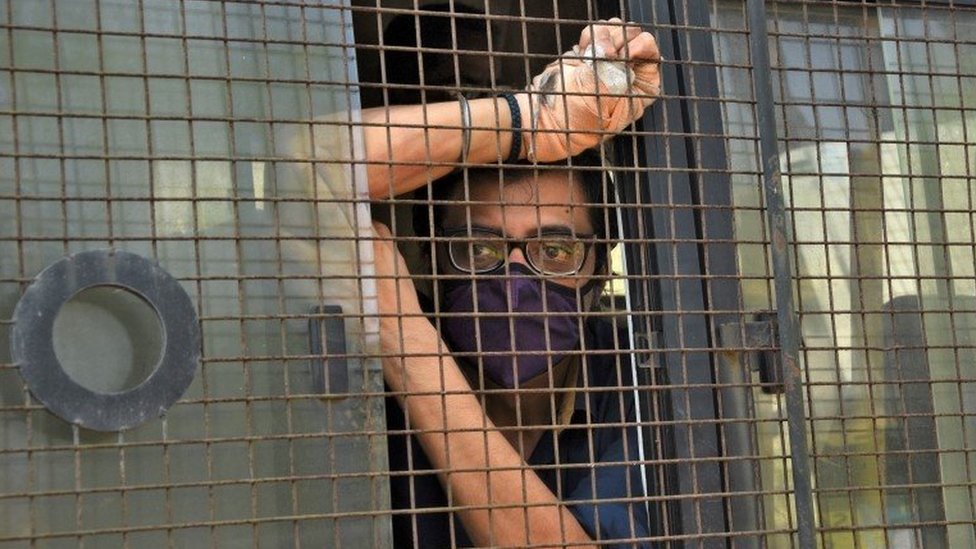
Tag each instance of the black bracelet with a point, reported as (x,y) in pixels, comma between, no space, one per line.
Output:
(513,106)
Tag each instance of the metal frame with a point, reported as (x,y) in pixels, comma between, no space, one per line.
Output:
(789,330)
(692,276)
(689,238)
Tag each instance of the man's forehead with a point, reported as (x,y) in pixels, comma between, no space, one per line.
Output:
(534,188)
(521,206)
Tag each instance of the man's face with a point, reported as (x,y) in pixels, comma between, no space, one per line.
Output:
(550,203)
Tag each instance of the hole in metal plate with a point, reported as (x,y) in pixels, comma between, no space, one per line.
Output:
(108,339)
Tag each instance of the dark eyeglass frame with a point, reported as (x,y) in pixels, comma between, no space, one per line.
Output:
(520,243)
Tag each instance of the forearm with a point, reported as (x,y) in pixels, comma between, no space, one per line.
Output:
(504,502)
(409,145)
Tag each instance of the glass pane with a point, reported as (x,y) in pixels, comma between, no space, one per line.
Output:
(214,138)
(873,125)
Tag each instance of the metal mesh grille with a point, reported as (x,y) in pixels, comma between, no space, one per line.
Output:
(182,131)
(223,140)
(873,120)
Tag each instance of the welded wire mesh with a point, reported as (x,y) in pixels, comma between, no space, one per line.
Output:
(183,132)
(225,141)
(873,124)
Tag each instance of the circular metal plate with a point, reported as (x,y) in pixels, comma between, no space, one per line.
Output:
(33,344)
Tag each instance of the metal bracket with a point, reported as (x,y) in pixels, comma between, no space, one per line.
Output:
(33,340)
(327,336)
(647,346)
(759,341)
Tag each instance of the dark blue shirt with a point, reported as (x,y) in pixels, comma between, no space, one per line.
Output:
(601,486)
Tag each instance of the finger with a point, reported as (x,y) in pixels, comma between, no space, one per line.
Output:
(382,247)
(643,47)
(387,255)
(629,31)
(622,35)
(618,33)
(611,36)
(600,33)
(586,37)
(381,231)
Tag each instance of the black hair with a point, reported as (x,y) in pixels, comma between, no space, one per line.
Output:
(590,167)
(402,66)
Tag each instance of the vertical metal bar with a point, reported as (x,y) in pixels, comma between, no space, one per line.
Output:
(712,189)
(782,271)
(685,440)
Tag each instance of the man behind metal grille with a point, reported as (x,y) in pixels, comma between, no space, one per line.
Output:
(515,429)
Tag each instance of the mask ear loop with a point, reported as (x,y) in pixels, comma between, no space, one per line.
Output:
(599,280)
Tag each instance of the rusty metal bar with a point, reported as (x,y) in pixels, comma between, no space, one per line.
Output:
(783,273)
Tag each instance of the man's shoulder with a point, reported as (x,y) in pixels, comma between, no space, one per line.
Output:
(607,333)
(607,353)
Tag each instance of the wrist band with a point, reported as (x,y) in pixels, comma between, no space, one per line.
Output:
(465,127)
(513,106)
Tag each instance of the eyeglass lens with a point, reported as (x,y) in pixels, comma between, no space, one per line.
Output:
(551,255)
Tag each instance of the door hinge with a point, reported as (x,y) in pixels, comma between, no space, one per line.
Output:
(758,342)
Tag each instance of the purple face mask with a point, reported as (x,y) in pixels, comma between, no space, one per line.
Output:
(517,303)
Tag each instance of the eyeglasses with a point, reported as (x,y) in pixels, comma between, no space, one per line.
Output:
(481,250)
